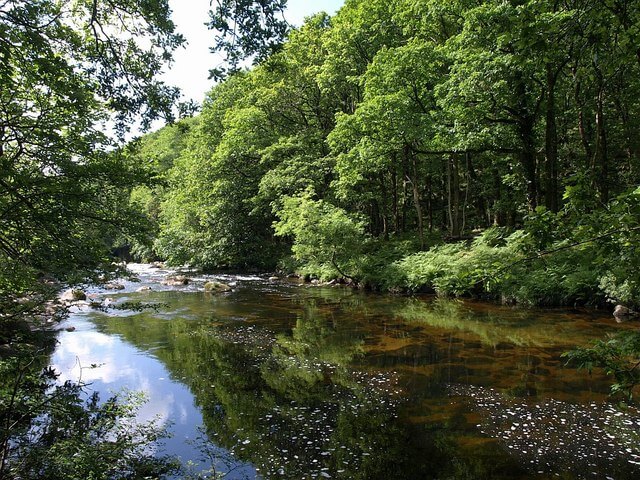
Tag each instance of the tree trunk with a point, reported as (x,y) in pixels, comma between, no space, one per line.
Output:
(551,144)
(430,202)
(453,196)
(416,196)
(396,212)
(601,160)
(384,205)
(528,160)
(526,125)
(467,157)
(582,126)
(482,206)
(405,177)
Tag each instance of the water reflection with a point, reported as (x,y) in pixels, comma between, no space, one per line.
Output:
(109,364)
(329,383)
(553,436)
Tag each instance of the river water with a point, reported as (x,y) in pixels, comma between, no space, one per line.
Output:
(278,379)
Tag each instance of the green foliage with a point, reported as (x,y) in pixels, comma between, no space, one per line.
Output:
(324,235)
(542,227)
(499,265)
(246,29)
(618,355)
(377,266)
(62,192)
(456,269)
(423,120)
(618,253)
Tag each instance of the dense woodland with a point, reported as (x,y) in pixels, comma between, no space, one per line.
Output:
(468,147)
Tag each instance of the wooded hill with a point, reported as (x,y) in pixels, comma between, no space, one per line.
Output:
(375,138)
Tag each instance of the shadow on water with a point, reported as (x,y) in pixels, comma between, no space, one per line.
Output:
(329,383)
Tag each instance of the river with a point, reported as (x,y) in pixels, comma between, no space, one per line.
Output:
(278,379)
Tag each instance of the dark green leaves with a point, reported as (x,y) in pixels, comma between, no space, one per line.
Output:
(246,29)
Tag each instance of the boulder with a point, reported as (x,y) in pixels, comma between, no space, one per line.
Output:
(623,313)
(176,281)
(146,288)
(274,279)
(113,286)
(73,295)
(216,287)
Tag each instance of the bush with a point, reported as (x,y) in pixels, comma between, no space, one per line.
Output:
(457,269)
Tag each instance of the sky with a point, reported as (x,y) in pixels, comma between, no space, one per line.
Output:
(192,63)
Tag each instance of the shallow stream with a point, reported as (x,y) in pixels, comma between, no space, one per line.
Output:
(278,379)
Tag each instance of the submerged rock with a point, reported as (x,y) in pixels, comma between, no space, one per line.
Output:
(73,295)
(217,287)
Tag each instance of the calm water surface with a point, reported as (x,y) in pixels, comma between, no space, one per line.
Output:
(281,380)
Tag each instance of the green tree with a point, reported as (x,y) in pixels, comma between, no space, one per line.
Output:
(246,29)
(324,234)
(64,74)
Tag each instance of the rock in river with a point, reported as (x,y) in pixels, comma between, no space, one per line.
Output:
(176,281)
(623,313)
(73,295)
(216,287)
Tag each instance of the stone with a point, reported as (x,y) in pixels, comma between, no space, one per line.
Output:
(113,286)
(274,279)
(73,295)
(176,281)
(146,288)
(622,313)
(217,287)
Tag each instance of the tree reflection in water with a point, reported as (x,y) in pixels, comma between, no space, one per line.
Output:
(325,383)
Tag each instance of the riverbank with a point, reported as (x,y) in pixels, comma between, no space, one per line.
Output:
(498,265)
